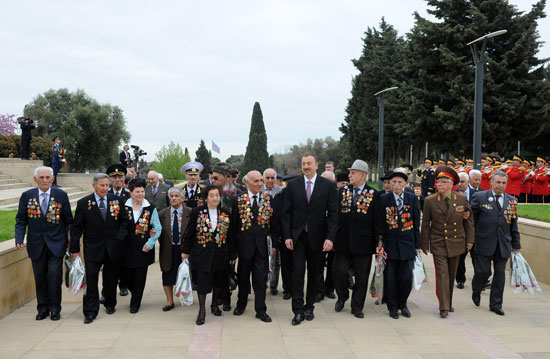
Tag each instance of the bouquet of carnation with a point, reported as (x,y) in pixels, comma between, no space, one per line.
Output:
(183,288)
(419,273)
(521,277)
(75,273)
(377,283)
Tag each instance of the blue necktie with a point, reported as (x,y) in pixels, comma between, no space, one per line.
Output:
(400,205)
(102,208)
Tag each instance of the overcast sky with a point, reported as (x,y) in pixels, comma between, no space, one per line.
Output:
(189,70)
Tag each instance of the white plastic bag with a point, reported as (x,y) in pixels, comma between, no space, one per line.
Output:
(76,275)
(183,288)
(419,273)
(521,276)
(377,283)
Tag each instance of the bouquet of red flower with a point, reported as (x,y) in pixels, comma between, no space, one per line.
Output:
(521,276)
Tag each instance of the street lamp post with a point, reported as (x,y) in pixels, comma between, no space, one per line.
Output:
(479,61)
(380,99)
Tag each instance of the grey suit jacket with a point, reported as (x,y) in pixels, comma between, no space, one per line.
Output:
(494,226)
(160,199)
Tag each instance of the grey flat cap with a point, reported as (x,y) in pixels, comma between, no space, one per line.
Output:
(223,168)
(360,165)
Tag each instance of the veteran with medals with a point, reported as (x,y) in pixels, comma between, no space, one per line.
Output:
(102,222)
(356,240)
(192,189)
(399,224)
(208,236)
(447,232)
(255,209)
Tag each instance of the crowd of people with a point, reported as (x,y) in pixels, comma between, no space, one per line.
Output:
(324,227)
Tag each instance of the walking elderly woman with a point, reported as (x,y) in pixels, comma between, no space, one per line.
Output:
(139,247)
(208,237)
(174,220)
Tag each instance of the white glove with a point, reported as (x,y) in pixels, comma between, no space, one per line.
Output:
(504,167)
(532,173)
(63,160)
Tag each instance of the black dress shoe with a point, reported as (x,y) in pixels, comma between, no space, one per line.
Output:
(319,297)
(287,296)
(55,316)
(110,310)
(298,318)
(443,313)
(394,315)
(274,291)
(123,292)
(134,310)
(308,315)
(200,318)
(405,311)
(167,308)
(88,319)
(226,307)
(330,295)
(498,311)
(460,285)
(339,305)
(216,310)
(42,315)
(487,285)
(476,299)
(263,317)
(452,310)
(358,314)
(238,311)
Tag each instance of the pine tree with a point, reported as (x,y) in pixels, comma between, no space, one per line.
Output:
(203,156)
(256,156)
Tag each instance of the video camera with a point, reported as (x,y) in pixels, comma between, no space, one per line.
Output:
(138,152)
(22,120)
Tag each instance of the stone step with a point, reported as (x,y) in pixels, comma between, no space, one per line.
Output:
(5,177)
(13,185)
(8,180)
(11,197)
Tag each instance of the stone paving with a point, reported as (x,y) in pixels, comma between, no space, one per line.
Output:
(469,332)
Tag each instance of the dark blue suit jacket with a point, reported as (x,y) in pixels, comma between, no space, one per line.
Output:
(398,243)
(41,231)
(492,225)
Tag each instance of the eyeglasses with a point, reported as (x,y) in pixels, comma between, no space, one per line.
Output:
(267,177)
(215,178)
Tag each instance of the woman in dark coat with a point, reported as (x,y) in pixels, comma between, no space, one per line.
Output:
(208,238)
(139,247)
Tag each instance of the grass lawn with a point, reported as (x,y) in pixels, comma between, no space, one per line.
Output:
(539,212)
(7,225)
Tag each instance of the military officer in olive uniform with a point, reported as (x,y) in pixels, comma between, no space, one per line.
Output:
(447,232)
(117,173)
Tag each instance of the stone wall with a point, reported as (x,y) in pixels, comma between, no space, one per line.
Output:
(535,247)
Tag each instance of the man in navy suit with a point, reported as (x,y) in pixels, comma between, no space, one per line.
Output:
(101,218)
(46,212)
(399,224)
(497,236)
(310,222)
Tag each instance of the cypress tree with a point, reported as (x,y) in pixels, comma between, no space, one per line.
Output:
(256,156)
(203,156)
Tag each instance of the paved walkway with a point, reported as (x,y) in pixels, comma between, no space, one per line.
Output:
(470,332)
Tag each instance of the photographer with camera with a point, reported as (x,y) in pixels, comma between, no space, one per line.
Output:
(26,126)
(125,156)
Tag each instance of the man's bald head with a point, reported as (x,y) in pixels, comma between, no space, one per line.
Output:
(254,181)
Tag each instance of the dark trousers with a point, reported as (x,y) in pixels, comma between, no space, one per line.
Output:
(399,283)
(483,272)
(110,278)
(135,279)
(445,273)
(258,266)
(361,264)
(25,148)
(325,283)
(538,198)
(303,255)
(48,276)
(286,268)
(461,269)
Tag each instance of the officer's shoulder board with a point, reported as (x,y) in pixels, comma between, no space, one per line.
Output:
(460,194)
(432,196)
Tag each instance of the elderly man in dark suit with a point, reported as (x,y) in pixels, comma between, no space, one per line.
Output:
(399,224)
(310,222)
(356,238)
(157,192)
(251,235)
(100,218)
(125,157)
(46,213)
(174,220)
(497,236)
(447,232)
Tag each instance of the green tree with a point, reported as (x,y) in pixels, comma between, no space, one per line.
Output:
(204,157)
(91,132)
(256,156)
(437,87)
(379,66)
(169,161)
(236,161)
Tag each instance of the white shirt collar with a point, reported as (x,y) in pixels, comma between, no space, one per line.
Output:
(48,192)
(396,196)
(129,203)
(97,198)
(361,188)
(250,194)
(192,188)
(179,210)
(312,179)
